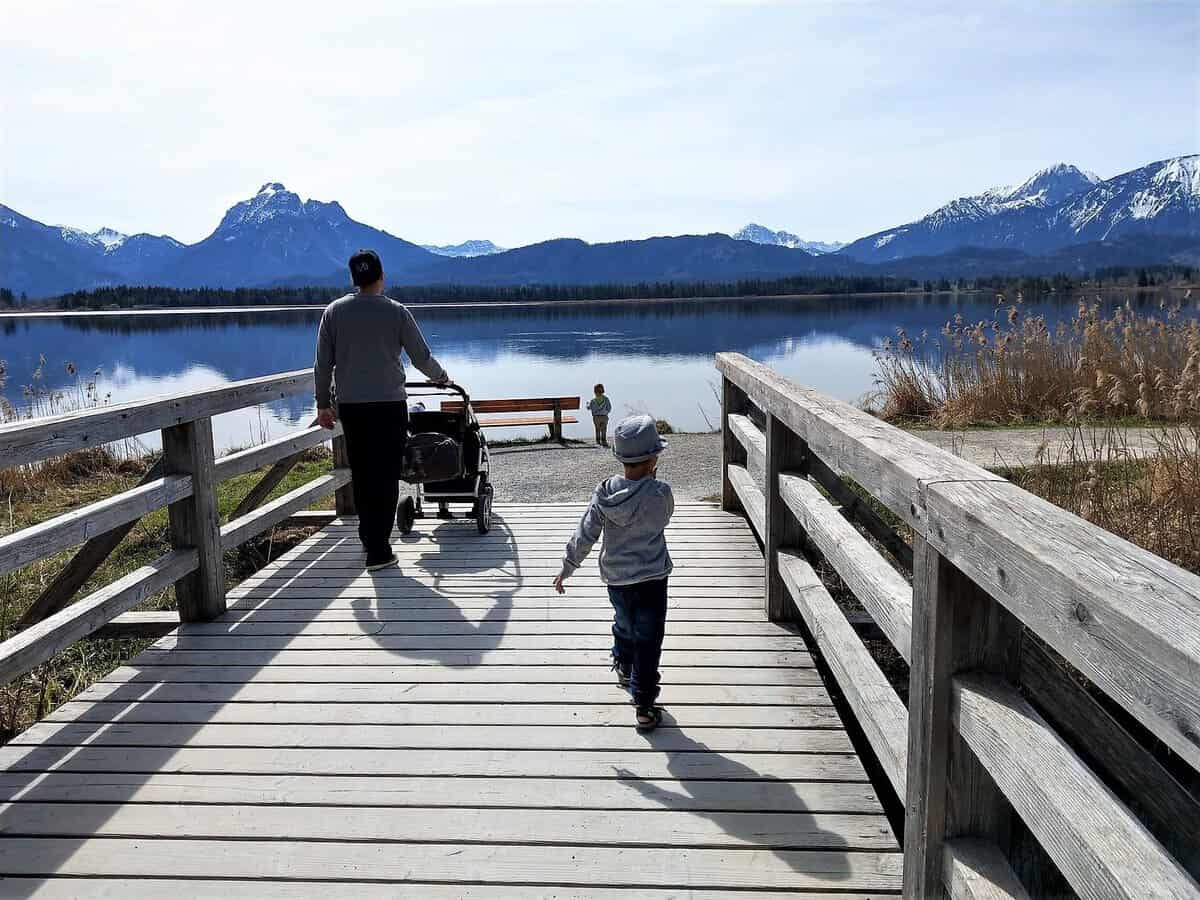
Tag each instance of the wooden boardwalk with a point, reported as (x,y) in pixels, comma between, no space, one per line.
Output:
(453,726)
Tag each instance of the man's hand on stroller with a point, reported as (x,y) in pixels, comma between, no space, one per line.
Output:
(443,381)
(326,417)
(558,584)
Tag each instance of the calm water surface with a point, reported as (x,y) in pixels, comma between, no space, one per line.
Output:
(656,357)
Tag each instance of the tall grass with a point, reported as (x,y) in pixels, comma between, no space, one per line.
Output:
(1096,365)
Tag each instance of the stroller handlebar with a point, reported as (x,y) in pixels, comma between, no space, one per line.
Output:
(444,386)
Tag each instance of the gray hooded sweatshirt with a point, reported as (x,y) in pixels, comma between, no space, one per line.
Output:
(631,515)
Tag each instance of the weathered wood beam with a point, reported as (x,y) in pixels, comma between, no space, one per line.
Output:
(241,529)
(83,565)
(75,527)
(40,642)
(195,522)
(785,455)
(35,439)
(1097,843)
(977,870)
(733,402)
(883,591)
(248,460)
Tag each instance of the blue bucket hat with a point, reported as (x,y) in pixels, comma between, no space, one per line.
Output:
(636,440)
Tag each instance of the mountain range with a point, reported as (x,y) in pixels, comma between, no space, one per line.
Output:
(1060,219)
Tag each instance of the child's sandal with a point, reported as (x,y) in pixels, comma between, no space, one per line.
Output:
(649,717)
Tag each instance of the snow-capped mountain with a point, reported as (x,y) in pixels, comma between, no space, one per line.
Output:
(1163,197)
(1055,208)
(760,234)
(275,237)
(465,249)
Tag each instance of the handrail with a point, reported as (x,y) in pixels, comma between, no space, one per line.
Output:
(184,482)
(988,560)
(36,439)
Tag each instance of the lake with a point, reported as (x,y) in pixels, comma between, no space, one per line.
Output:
(652,356)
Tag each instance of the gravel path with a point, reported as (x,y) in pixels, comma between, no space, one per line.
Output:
(549,473)
(692,464)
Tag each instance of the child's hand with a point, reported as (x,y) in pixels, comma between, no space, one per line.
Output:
(558,584)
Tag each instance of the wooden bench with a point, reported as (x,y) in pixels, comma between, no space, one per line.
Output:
(554,406)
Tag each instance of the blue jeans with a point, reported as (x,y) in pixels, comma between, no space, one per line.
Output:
(639,623)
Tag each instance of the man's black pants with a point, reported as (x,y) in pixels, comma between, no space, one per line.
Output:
(375,437)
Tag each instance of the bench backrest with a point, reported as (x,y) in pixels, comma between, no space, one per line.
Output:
(514,405)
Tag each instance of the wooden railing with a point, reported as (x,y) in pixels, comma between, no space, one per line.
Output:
(184,480)
(1013,604)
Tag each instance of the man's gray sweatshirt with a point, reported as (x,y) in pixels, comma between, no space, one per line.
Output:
(632,516)
(359,343)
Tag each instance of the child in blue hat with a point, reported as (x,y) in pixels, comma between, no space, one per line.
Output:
(631,511)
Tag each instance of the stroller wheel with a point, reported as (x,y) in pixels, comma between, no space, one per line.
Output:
(483,509)
(406,514)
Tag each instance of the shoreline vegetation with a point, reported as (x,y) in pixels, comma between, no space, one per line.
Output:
(127,297)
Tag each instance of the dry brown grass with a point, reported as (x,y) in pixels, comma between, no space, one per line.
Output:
(1152,501)
(1098,365)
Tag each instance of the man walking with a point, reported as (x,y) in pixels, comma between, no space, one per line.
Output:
(358,359)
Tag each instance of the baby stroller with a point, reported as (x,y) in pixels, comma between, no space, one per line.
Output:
(446,459)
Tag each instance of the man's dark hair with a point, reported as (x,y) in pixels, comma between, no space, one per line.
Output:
(365,268)
(599,389)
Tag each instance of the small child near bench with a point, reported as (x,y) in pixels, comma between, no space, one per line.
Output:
(601,408)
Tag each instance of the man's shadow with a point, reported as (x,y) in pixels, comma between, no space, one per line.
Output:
(710,798)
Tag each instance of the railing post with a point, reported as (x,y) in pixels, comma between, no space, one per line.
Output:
(343,497)
(733,402)
(195,521)
(786,452)
(956,627)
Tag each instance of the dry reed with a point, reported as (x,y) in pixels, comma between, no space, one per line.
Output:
(1097,365)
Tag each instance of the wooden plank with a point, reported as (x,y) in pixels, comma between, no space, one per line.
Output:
(949,794)
(1135,772)
(83,565)
(380,656)
(334,565)
(513,404)
(570,738)
(632,828)
(28,545)
(699,763)
(977,870)
(245,461)
(240,530)
(856,509)
(289,712)
(224,889)
(877,708)
(409,671)
(1099,846)
(40,642)
(786,454)
(752,439)
(343,502)
(635,868)
(382,613)
(733,402)
(498,642)
(152,624)
(1098,600)
(262,488)
(750,496)
(883,591)
(889,463)
(317,518)
(481,628)
(195,521)
(31,440)
(522,421)
(369,696)
(612,793)
(510,596)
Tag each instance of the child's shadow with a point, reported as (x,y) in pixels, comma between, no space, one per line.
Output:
(710,798)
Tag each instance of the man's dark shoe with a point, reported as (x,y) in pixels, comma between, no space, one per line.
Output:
(378,563)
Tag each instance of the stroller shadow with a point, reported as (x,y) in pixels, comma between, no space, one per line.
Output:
(706,797)
(469,640)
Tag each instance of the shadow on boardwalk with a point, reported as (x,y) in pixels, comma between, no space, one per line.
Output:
(707,797)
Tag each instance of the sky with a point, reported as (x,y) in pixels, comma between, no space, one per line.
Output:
(521,122)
